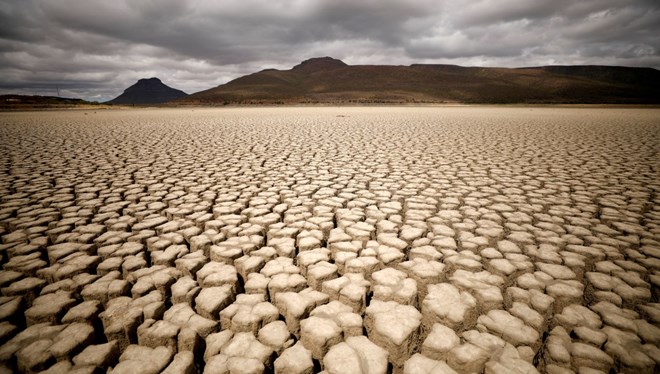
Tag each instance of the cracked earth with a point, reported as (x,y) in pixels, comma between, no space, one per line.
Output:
(342,240)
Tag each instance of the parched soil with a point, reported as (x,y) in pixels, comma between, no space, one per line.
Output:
(343,240)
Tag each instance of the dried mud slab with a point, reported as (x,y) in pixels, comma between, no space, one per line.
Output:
(335,240)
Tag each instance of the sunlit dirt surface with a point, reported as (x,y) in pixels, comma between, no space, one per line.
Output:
(350,240)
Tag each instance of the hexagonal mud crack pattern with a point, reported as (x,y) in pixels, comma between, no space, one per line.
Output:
(342,240)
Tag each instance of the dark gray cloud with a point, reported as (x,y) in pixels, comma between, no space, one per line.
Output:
(94,49)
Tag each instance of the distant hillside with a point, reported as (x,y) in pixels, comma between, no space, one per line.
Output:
(148,91)
(327,80)
(18,102)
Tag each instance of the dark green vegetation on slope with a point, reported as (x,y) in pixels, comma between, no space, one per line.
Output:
(19,102)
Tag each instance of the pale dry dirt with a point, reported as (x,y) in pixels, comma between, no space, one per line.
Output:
(344,240)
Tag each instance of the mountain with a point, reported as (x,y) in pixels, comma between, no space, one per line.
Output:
(328,80)
(148,91)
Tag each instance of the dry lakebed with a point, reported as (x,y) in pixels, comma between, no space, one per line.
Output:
(425,240)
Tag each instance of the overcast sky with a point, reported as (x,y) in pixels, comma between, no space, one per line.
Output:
(94,49)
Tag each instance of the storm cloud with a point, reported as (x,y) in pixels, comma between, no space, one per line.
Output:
(94,49)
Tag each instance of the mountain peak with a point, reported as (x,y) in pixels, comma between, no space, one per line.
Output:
(319,63)
(148,91)
(150,80)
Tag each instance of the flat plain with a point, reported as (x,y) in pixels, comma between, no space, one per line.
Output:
(344,240)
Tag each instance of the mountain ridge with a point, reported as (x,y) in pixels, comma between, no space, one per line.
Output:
(328,80)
